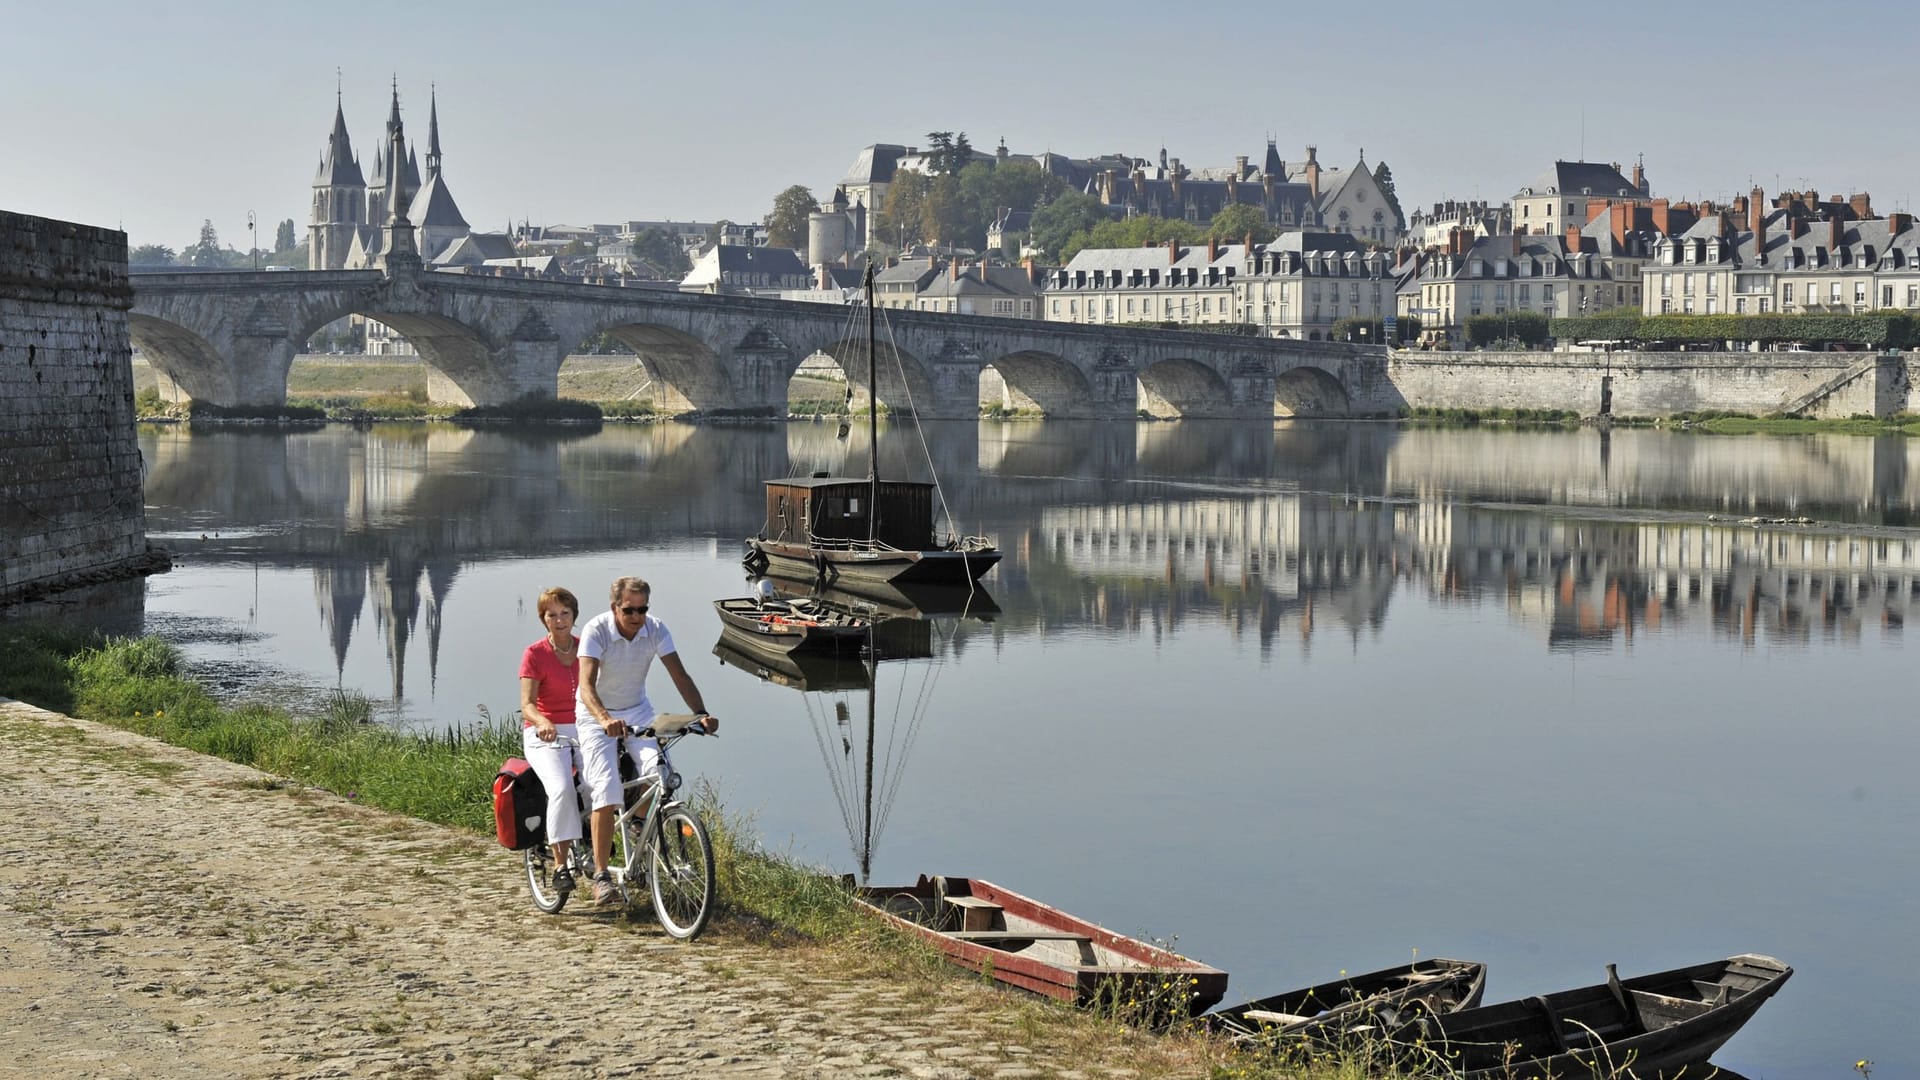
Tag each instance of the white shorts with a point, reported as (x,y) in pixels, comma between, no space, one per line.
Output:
(601,770)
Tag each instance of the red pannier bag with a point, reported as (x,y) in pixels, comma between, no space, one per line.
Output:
(519,806)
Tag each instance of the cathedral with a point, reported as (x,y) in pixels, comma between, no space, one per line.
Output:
(350,214)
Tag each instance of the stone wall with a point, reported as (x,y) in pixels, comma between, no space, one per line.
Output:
(1658,383)
(71,506)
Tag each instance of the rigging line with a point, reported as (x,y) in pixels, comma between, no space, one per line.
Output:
(833,773)
(907,744)
(926,451)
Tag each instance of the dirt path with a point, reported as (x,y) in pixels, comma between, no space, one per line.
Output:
(169,914)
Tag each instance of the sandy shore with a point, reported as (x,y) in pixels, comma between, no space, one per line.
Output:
(170,914)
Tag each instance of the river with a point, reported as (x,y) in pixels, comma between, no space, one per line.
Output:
(1302,699)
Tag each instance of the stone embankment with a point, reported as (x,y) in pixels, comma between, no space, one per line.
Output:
(177,915)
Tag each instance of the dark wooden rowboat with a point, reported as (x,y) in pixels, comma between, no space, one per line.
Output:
(1027,944)
(1648,1026)
(1378,997)
(793,625)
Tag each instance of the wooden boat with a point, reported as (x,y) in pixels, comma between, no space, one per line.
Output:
(1378,997)
(1648,1026)
(828,529)
(1024,943)
(791,625)
(894,600)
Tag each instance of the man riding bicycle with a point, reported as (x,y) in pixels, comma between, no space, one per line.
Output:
(617,649)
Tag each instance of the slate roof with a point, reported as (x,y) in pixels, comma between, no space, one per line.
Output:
(1582,178)
(477,248)
(874,165)
(339,168)
(433,205)
(1001,281)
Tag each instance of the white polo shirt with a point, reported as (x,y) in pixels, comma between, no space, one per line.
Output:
(624,664)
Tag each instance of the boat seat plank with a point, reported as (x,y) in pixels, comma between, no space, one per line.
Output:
(1017,935)
(972,902)
(1265,1017)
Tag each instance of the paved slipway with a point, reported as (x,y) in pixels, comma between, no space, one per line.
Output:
(171,914)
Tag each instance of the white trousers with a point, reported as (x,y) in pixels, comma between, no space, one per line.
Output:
(602,752)
(553,763)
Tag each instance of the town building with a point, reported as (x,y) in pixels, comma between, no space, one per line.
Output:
(1172,283)
(1006,292)
(1475,218)
(1299,285)
(1559,197)
(742,270)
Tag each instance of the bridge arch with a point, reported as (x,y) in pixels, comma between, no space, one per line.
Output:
(1042,381)
(1175,388)
(182,357)
(1309,391)
(687,372)
(904,382)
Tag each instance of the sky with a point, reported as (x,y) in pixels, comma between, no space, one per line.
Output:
(154,117)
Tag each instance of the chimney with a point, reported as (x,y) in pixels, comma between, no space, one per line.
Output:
(1639,178)
(1033,272)
(1620,220)
(1239,166)
(1106,185)
(1313,174)
(1213,250)
(1836,230)
(1898,223)
(1175,172)
(1173,252)
(1661,220)
(983,271)
(1573,239)
(1757,221)
(1796,226)
(953,270)
(1862,205)
(1139,183)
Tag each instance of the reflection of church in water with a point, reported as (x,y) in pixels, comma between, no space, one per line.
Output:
(407,598)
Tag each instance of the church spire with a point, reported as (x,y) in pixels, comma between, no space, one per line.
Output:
(433,133)
(400,252)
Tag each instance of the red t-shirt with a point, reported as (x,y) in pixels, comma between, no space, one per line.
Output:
(556,682)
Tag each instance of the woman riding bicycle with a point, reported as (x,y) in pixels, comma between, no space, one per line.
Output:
(549,682)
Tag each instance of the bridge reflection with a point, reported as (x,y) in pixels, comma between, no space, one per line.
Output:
(1297,531)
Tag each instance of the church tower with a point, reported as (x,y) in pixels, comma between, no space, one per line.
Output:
(339,199)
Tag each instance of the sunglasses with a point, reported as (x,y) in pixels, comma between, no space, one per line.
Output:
(632,610)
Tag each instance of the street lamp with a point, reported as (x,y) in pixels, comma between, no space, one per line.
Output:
(253,238)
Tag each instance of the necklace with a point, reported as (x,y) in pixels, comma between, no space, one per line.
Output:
(562,650)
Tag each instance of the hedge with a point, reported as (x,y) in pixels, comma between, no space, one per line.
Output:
(1893,331)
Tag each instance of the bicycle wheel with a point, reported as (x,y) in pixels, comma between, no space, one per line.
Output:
(539,860)
(682,873)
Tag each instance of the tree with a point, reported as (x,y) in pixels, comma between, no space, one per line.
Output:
(947,217)
(1237,222)
(787,222)
(208,251)
(1134,232)
(1384,177)
(151,255)
(1055,224)
(284,237)
(902,220)
(662,251)
(949,154)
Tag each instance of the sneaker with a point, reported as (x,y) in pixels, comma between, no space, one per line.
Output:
(563,881)
(603,890)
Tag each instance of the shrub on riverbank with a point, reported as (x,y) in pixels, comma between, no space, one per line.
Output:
(1480,416)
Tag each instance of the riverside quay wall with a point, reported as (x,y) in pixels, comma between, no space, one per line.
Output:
(1653,384)
(71,507)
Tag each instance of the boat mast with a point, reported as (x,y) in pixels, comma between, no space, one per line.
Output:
(866,819)
(873,420)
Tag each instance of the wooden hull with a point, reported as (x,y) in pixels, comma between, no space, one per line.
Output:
(882,600)
(1026,944)
(1654,1025)
(831,565)
(1432,986)
(792,626)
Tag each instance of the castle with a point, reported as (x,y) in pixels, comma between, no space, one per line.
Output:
(348,227)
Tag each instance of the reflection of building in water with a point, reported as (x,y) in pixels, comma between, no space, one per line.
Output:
(341,587)
(1278,558)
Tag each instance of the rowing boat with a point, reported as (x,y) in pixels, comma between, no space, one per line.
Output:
(1649,1026)
(803,623)
(1027,944)
(1389,996)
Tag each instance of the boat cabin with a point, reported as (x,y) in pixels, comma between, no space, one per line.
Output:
(829,511)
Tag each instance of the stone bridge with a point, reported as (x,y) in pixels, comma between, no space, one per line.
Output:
(228,339)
